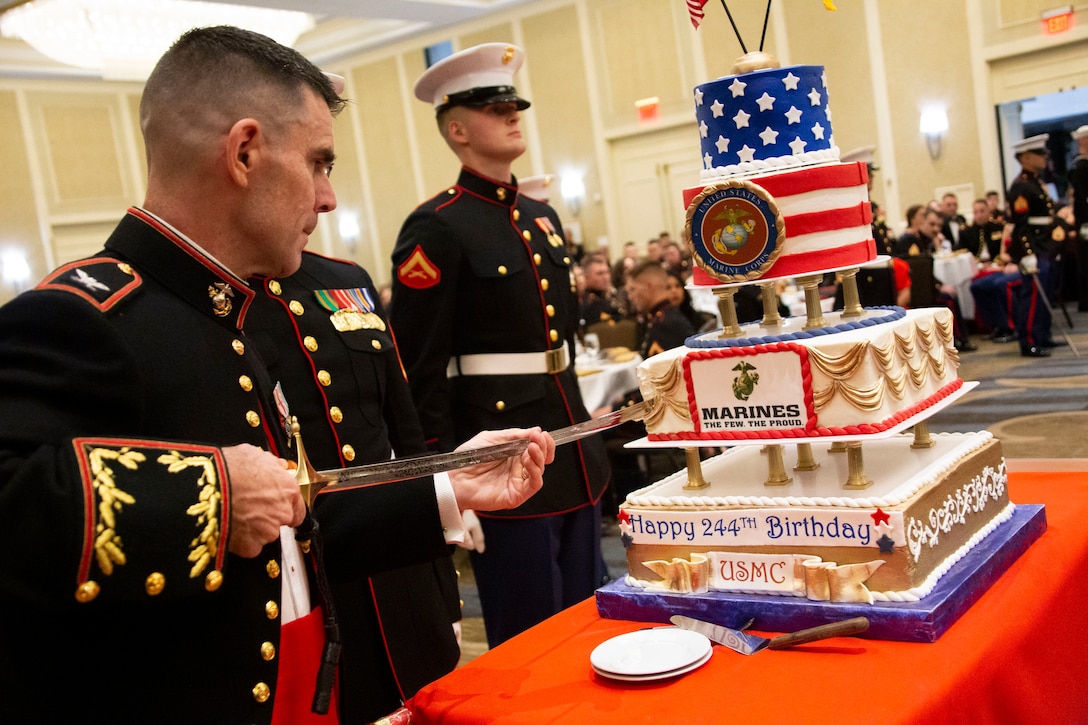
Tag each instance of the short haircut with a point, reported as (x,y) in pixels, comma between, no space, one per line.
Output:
(212,77)
(647,268)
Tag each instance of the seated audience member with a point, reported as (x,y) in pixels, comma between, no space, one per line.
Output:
(674,260)
(926,223)
(983,236)
(997,209)
(598,298)
(680,298)
(952,221)
(912,242)
(666,326)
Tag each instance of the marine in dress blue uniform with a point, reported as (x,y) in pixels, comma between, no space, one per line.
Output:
(1031,214)
(485,316)
(113,371)
(326,341)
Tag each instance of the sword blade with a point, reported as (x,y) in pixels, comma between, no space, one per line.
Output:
(427,464)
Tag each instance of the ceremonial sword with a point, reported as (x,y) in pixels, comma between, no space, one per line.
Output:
(312,482)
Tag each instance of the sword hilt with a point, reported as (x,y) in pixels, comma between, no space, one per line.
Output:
(310,482)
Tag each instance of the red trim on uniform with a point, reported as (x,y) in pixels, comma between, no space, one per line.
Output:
(418,271)
(104,305)
(90,518)
(385,640)
(237,283)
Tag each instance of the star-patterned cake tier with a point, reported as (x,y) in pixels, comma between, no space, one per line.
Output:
(767,119)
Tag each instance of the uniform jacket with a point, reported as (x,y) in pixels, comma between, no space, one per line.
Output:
(326,341)
(1027,198)
(1078,180)
(480,269)
(120,375)
(666,328)
(978,237)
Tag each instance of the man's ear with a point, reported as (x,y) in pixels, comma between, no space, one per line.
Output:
(455,130)
(244,148)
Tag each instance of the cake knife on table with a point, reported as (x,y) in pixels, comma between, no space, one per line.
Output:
(748,644)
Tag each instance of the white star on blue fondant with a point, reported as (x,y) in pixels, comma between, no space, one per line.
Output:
(737,87)
(766,101)
(741,119)
(768,136)
(698,96)
(723,144)
(793,116)
(797,146)
(814,97)
(746,154)
(707,161)
(702,129)
(818,130)
(717,108)
(791,81)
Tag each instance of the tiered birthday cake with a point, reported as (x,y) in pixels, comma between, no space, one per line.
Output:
(789,512)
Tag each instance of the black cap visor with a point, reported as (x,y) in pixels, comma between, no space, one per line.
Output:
(485,96)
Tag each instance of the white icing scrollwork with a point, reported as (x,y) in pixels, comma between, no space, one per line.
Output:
(971,498)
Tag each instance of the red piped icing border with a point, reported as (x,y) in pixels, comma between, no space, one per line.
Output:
(796,265)
(719,352)
(789,183)
(852,430)
(826,221)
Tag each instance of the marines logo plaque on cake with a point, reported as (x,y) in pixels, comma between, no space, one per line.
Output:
(736,230)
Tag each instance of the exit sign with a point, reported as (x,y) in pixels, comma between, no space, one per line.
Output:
(1058,20)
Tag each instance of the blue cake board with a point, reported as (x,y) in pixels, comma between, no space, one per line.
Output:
(922,621)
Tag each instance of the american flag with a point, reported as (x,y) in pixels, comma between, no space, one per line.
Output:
(695,10)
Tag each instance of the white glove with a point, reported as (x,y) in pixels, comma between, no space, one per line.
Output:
(474,533)
(457,633)
(1029,264)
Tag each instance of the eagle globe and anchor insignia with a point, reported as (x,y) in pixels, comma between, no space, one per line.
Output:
(736,230)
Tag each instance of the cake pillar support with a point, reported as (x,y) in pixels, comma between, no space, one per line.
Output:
(727,307)
(805,460)
(767,293)
(696,481)
(837,447)
(813,312)
(776,475)
(856,478)
(921,436)
(851,300)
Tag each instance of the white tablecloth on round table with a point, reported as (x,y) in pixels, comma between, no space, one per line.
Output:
(601,381)
(958,270)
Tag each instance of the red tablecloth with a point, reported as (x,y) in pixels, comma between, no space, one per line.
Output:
(1019,655)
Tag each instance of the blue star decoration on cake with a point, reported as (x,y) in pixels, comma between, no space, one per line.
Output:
(886,544)
(791,103)
(625,529)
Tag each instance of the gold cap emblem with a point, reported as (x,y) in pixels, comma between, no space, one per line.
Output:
(508,55)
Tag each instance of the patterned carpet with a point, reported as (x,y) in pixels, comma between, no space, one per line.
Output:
(1038,407)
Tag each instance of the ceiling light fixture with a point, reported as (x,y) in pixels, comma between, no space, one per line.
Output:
(123,39)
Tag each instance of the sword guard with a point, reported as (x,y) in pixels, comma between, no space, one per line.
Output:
(310,482)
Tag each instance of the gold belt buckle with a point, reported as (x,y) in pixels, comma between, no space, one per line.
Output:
(556,360)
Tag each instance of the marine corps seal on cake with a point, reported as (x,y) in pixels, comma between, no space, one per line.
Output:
(736,230)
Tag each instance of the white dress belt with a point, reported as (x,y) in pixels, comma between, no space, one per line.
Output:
(548,362)
(1039,221)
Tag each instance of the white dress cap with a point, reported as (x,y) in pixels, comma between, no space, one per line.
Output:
(1031,143)
(1080,132)
(477,76)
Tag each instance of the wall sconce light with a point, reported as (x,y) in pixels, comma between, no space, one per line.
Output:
(933,124)
(573,189)
(15,269)
(348,224)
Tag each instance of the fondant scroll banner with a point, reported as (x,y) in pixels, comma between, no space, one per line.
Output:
(792,575)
